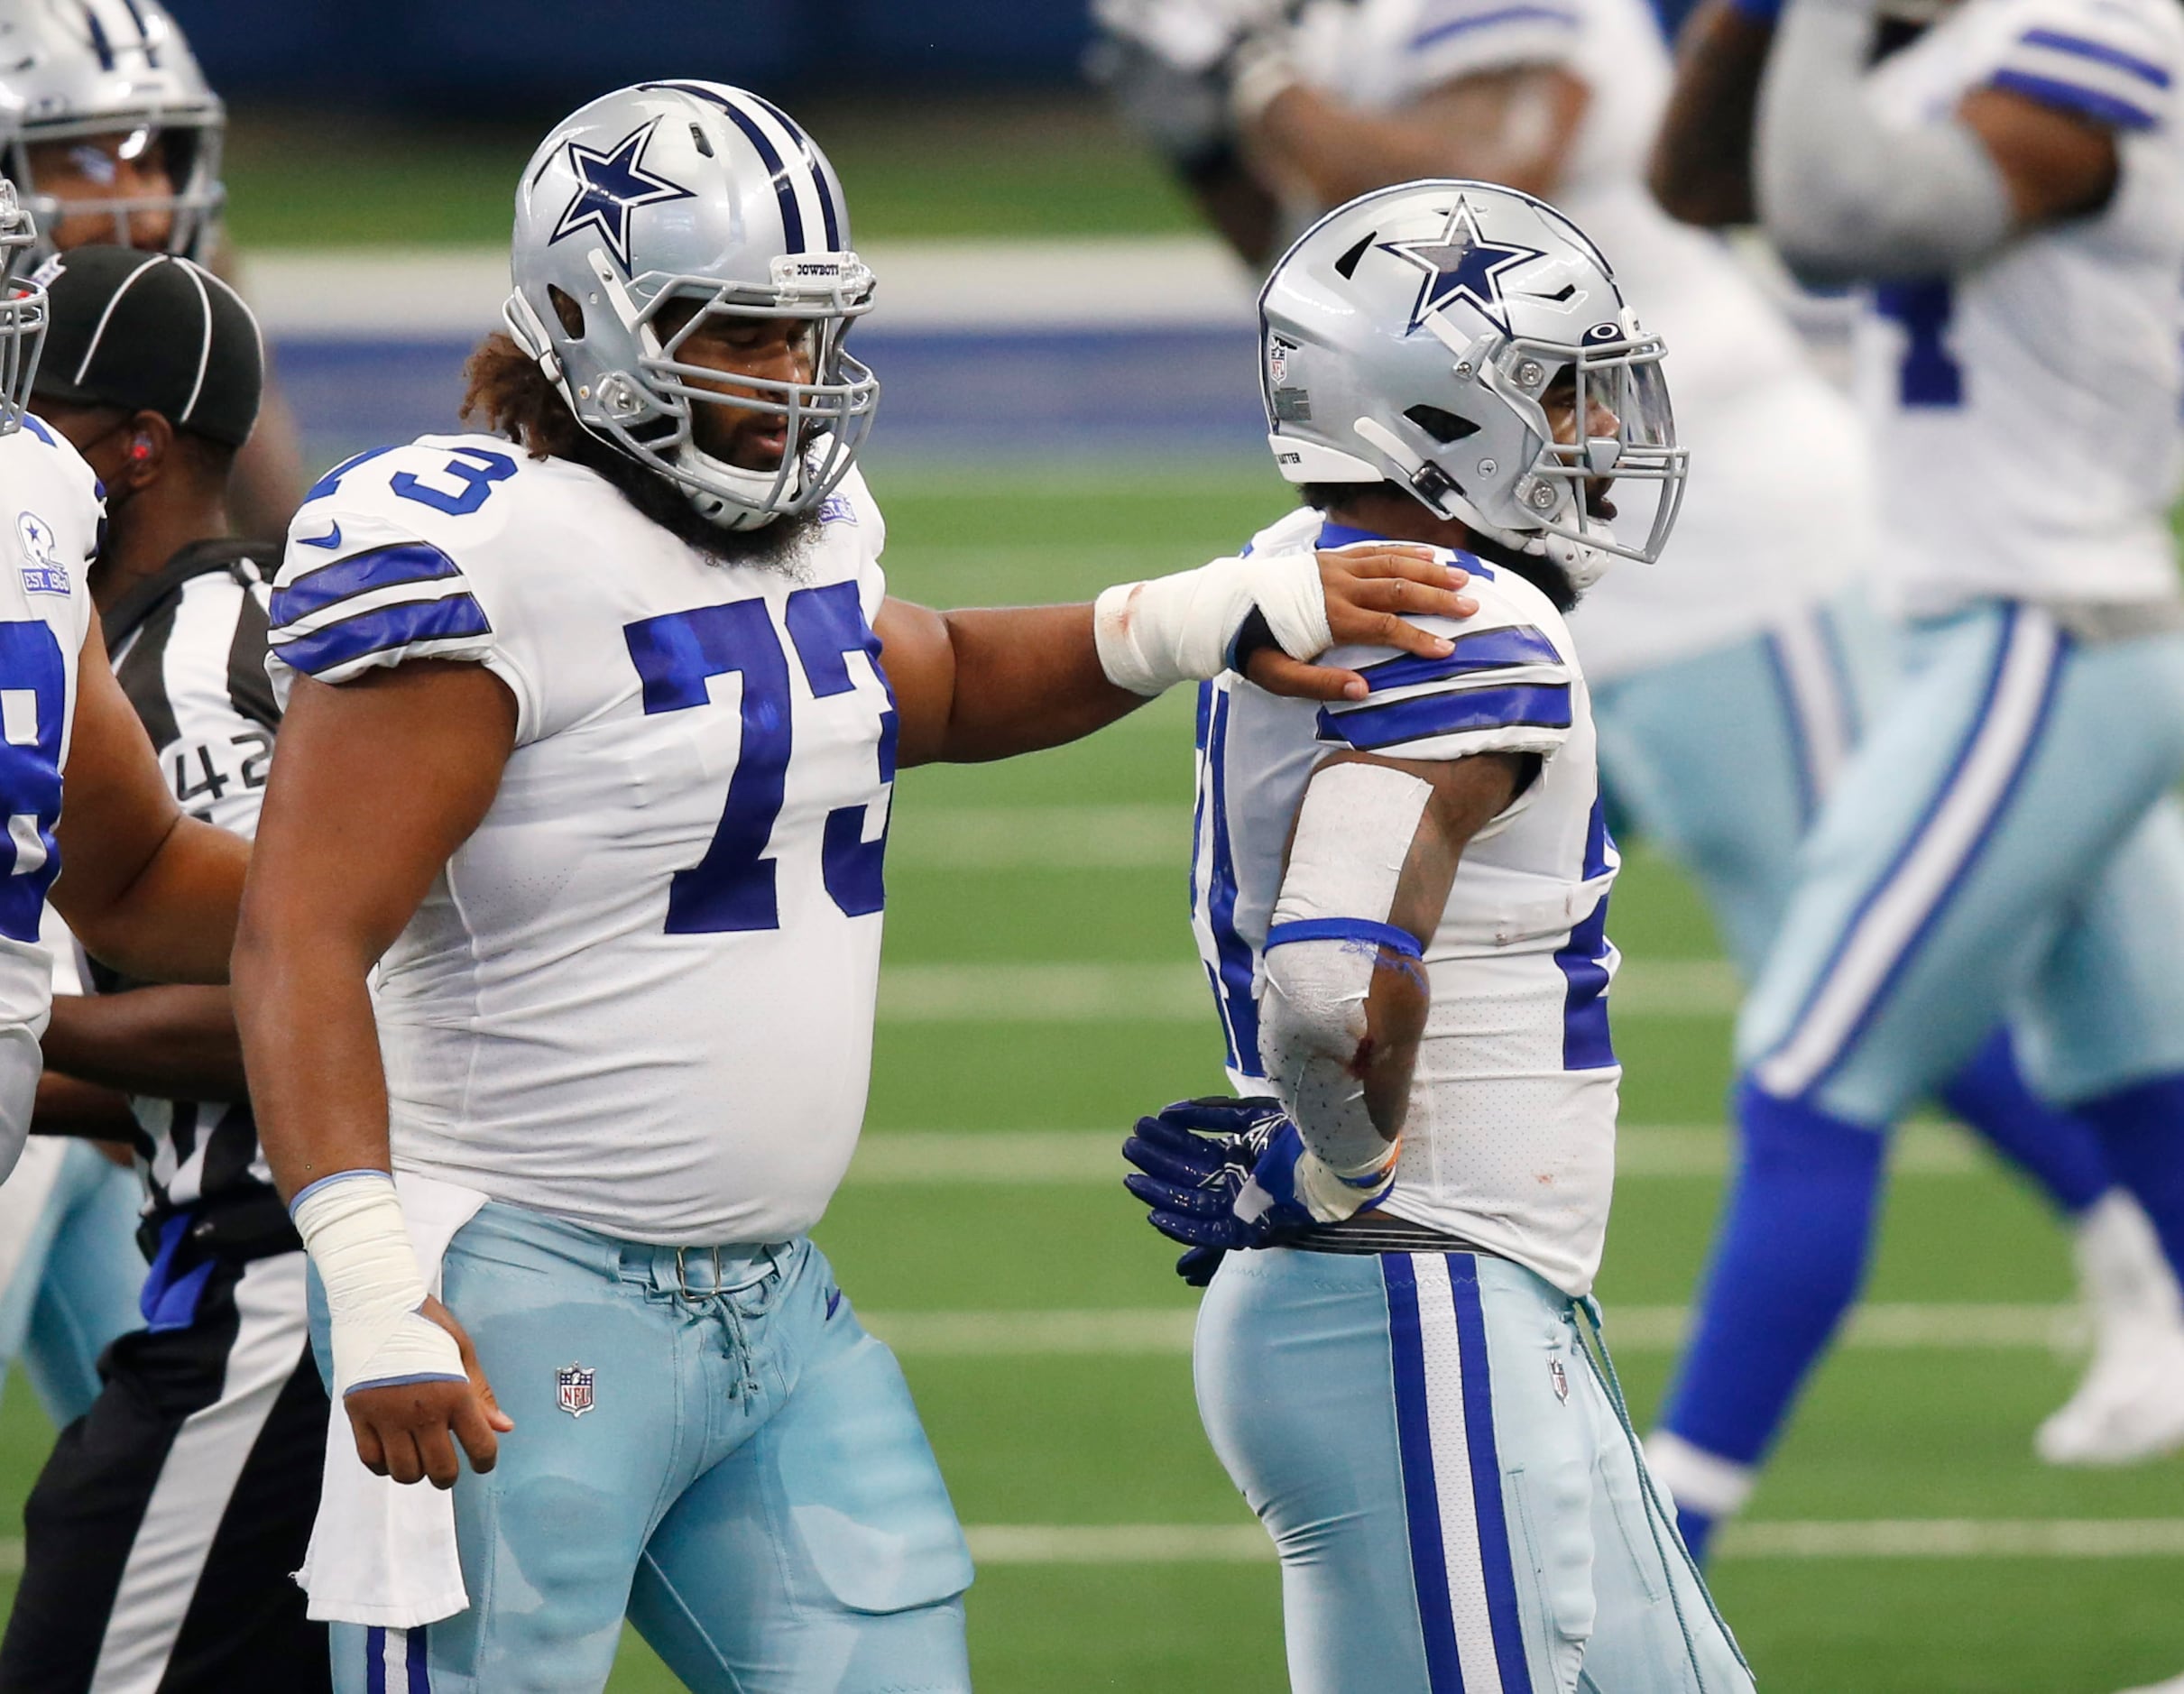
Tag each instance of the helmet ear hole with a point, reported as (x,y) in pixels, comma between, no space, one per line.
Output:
(567,310)
(1445,427)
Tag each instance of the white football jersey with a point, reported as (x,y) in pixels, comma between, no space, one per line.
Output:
(54,514)
(640,995)
(1510,1141)
(2026,412)
(1777,513)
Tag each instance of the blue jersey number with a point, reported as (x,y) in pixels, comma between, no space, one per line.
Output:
(1929,376)
(731,888)
(475,469)
(33,702)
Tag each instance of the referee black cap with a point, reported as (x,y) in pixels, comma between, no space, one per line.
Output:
(151,332)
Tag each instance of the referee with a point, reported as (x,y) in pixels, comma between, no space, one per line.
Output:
(161,1535)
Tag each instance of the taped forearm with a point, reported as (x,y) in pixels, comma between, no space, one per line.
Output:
(352,1227)
(1844,195)
(1330,939)
(1152,635)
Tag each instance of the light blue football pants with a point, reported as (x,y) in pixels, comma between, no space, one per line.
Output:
(75,1281)
(744,1475)
(1458,1499)
(1723,759)
(2001,844)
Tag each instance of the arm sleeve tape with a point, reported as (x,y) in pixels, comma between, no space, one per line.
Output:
(1152,635)
(1845,195)
(1343,929)
(352,1227)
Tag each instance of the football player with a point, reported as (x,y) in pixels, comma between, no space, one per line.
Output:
(2009,190)
(566,912)
(1731,679)
(1403,901)
(148,891)
(162,1531)
(111,134)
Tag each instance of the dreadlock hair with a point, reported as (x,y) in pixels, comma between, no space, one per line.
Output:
(505,389)
(1545,574)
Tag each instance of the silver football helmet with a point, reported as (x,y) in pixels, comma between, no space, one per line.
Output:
(86,68)
(22,310)
(692,192)
(1411,337)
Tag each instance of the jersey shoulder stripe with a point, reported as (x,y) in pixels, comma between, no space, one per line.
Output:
(2107,62)
(1445,24)
(1427,717)
(446,628)
(396,565)
(1488,649)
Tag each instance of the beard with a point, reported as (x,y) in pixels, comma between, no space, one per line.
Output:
(780,546)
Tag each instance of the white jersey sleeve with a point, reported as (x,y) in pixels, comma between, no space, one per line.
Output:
(2111,61)
(403,554)
(1506,688)
(1443,41)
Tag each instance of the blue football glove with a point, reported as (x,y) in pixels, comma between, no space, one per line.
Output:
(1220,1175)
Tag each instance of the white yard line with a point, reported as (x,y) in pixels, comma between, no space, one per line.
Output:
(995,1544)
(1164,1331)
(1074,992)
(1883,1538)
(1093,1157)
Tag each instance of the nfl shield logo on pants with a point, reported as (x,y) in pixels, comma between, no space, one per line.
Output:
(572,1388)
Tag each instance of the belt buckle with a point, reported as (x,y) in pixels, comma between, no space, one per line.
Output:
(682,1275)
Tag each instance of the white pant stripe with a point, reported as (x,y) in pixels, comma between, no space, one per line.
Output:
(1816,692)
(1453,1484)
(195,1484)
(1895,912)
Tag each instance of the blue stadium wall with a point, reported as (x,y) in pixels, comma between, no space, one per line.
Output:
(491,57)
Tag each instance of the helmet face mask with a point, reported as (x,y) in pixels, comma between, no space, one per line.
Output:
(1433,334)
(735,240)
(70,77)
(23,311)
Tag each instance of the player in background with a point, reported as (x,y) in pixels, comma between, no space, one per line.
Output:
(592,728)
(1403,902)
(162,1531)
(2009,188)
(1731,679)
(111,134)
(147,890)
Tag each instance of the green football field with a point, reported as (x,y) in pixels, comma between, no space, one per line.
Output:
(1040,992)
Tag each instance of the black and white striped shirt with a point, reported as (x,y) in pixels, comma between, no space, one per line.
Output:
(188,649)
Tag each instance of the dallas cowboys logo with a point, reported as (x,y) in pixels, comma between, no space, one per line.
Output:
(1462,264)
(610,186)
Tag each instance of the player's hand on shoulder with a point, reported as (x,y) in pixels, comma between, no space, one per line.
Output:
(1371,591)
(408,1430)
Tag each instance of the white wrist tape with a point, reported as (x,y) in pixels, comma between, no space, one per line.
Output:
(1262,70)
(1353,833)
(1153,635)
(352,1227)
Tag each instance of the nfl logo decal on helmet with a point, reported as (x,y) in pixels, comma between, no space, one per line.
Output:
(573,1389)
(1415,335)
(708,200)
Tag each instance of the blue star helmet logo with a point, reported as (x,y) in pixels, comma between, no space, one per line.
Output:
(610,186)
(1462,264)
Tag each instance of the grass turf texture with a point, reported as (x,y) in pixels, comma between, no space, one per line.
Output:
(1095,1439)
(994,166)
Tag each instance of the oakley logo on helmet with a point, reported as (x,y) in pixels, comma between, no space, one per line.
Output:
(1462,264)
(610,186)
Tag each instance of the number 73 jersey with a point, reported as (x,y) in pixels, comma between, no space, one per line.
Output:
(640,995)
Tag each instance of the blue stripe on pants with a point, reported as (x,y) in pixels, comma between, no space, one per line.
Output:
(1429,1559)
(421,1678)
(1485,1476)
(375,1661)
